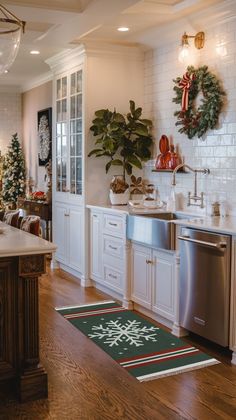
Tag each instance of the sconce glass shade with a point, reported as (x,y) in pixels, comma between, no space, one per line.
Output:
(11,29)
(184,53)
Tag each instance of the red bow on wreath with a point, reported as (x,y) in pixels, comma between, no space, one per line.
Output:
(185,84)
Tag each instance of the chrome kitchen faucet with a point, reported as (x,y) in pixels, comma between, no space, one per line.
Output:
(195,197)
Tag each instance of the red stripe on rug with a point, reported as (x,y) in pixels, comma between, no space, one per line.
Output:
(143,356)
(100,313)
(151,362)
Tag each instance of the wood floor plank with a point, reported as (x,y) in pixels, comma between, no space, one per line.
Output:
(86,384)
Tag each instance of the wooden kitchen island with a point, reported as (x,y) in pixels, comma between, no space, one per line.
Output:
(22,261)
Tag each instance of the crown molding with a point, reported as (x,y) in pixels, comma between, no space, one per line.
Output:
(72,57)
(66,59)
(36,82)
(113,49)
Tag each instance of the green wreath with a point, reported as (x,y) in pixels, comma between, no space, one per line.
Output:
(196,121)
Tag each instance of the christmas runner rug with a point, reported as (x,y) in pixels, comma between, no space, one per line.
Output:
(144,350)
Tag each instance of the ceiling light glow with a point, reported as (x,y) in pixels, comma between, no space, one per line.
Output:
(35,52)
(123,29)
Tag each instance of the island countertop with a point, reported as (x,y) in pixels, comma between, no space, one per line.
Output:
(15,242)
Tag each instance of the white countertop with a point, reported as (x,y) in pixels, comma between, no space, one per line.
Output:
(225,225)
(15,242)
(115,209)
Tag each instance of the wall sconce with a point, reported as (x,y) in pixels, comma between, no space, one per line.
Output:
(184,51)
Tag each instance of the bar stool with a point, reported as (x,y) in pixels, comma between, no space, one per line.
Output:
(11,217)
(31,224)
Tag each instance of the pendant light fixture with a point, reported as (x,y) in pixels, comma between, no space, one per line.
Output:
(11,29)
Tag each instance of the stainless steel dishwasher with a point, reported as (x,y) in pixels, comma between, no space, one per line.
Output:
(205,284)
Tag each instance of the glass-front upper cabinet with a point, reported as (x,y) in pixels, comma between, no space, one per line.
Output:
(76,133)
(61,134)
(69,133)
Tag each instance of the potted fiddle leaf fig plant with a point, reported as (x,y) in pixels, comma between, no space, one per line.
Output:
(126,141)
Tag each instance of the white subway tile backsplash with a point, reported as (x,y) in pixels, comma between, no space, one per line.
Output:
(217,150)
(10,118)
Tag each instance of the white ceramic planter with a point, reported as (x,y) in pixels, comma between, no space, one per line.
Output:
(119,199)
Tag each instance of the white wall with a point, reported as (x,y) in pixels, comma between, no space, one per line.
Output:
(111,82)
(33,101)
(218,150)
(10,118)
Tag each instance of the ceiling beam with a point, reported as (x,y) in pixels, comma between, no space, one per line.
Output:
(182,5)
(97,13)
(149,7)
(75,6)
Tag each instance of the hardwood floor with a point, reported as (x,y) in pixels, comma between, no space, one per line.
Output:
(86,384)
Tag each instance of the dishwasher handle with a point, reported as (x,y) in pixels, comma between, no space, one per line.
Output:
(218,245)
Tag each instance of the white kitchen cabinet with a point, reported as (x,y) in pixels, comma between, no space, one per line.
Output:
(153,280)
(113,249)
(79,91)
(60,234)
(141,275)
(68,136)
(109,253)
(68,200)
(68,235)
(75,238)
(163,284)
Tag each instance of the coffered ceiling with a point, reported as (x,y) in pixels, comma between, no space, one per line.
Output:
(55,25)
(76,6)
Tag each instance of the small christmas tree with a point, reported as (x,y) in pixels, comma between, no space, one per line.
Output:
(13,173)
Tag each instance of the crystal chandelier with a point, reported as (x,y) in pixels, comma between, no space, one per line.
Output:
(11,29)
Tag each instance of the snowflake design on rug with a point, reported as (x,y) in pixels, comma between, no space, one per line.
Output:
(132,332)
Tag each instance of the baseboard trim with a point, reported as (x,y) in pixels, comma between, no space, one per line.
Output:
(166,322)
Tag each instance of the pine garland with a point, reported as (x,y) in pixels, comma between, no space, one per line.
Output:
(13,172)
(196,121)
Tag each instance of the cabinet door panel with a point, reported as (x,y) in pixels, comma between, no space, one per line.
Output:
(8,317)
(95,245)
(141,276)
(75,238)
(163,286)
(59,231)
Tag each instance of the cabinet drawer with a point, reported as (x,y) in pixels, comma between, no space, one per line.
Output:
(114,225)
(113,278)
(113,246)
(114,262)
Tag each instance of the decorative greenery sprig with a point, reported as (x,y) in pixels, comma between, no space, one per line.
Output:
(196,121)
(125,140)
